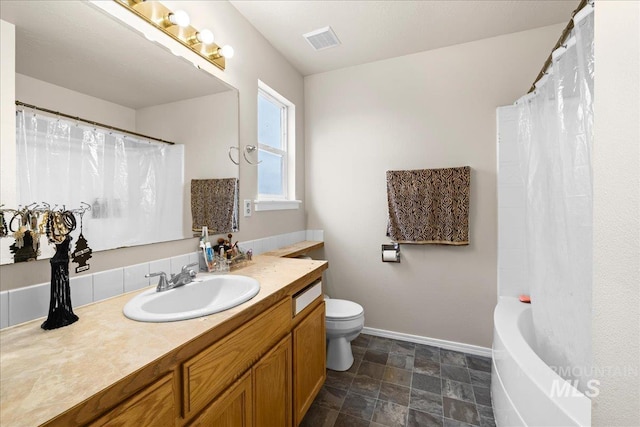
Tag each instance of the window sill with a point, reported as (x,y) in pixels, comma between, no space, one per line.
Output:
(276,205)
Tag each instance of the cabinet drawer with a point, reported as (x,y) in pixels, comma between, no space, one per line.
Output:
(214,369)
(153,406)
(305,297)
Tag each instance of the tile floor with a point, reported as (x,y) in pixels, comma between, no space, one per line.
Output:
(397,383)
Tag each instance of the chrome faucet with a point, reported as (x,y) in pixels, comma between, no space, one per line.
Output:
(185,276)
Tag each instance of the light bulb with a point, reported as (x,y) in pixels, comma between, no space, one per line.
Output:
(205,36)
(226,51)
(179,18)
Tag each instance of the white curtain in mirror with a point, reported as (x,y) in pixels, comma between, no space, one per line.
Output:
(134,186)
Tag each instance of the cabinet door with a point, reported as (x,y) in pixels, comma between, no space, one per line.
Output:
(309,361)
(214,369)
(272,387)
(153,406)
(232,409)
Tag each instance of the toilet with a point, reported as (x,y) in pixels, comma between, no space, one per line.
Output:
(344,321)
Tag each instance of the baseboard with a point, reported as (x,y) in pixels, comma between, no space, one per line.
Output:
(449,345)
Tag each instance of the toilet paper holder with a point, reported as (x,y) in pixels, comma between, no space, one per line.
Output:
(391,252)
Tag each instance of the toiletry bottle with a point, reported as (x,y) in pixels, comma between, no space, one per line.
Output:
(224,266)
(209,257)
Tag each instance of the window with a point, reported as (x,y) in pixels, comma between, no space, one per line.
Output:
(276,118)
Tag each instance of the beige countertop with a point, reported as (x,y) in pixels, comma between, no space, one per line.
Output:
(45,373)
(297,249)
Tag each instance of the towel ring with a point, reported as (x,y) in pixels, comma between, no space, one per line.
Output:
(250,149)
(231,158)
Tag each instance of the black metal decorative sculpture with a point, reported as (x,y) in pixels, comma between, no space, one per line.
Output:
(26,226)
(60,310)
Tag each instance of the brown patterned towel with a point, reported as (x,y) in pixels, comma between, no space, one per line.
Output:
(429,206)
(214,203)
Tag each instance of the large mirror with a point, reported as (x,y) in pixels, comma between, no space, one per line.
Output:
(74,58)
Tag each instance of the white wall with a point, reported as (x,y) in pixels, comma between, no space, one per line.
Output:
(7,113)
(616,176)
(428,110)
(205,144)
(57,98)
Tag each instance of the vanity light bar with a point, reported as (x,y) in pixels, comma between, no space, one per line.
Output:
(159,16)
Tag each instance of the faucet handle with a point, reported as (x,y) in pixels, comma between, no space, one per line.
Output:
(159,273)
(163,284)
(186,267)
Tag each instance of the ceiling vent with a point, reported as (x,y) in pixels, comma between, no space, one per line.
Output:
(322,38)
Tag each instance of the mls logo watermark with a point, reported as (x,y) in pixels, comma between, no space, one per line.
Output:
(569,388)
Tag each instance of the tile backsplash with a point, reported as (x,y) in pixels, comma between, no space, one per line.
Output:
(108,283)
(32,302)
(28,303)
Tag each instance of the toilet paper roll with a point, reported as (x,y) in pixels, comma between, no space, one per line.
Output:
(389,256)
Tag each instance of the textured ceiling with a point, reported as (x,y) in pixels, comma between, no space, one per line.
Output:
(375,30)
(74,45)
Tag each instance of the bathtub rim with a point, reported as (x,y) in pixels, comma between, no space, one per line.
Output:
(507,333)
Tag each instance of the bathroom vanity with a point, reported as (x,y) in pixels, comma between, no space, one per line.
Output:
(259,363)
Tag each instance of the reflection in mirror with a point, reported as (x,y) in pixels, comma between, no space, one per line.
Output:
(73,58)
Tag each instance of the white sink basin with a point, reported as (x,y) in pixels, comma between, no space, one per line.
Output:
(202,297)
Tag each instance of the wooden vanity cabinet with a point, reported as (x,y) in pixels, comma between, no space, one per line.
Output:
(234,408)
(153,406)
(265,373)
(272,386)
(309,359)
(261,397)
(281,378)
(260,364)
(211,371)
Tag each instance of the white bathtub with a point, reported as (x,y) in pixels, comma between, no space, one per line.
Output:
(525,391)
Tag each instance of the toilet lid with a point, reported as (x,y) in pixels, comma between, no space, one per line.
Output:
(342,309)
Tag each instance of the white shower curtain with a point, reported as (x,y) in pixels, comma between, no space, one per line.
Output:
(555,136)
(134,187)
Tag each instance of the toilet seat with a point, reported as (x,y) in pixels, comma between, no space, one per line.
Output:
(339,309)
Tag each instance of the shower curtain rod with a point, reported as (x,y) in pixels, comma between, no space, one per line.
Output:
(91,122)
(559,43)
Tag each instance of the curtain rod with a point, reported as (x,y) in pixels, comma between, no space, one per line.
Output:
(559,43)
(91,122)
